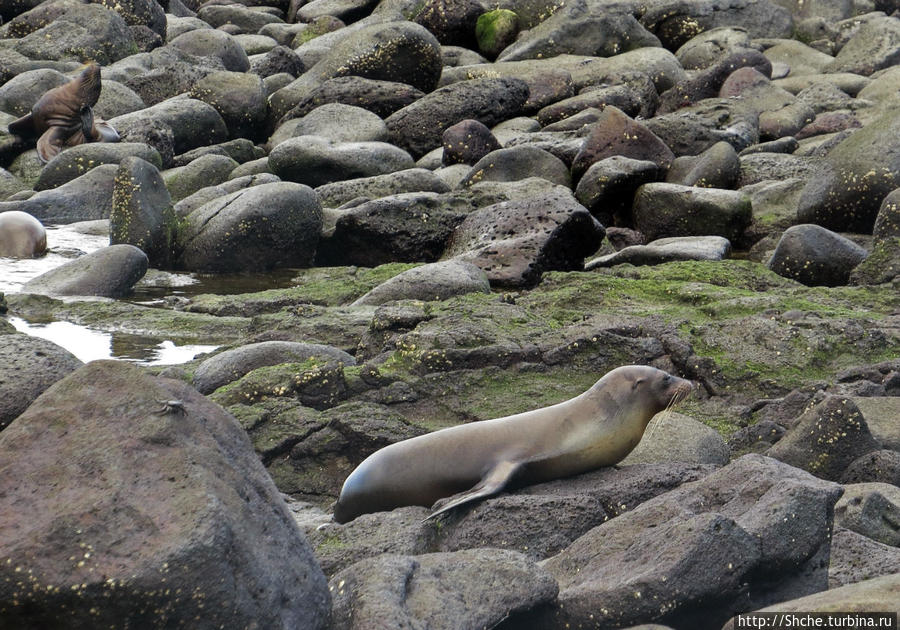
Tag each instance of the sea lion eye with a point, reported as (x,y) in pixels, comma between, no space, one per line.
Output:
(636,383)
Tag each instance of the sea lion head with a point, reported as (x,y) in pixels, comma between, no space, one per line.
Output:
(88,85)
(643,389)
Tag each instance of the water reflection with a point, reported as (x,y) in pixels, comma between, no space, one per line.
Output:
(90,345)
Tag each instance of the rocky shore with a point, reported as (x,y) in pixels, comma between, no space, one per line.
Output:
(485,207)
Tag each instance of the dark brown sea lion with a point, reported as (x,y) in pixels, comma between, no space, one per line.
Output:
(598,428)
(21,235)
(63,117)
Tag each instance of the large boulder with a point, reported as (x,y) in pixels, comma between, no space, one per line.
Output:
(826,439)
(230,365)
(28,366)
(85,198)
(465,589)
(257,228)
(666,210)
(434,281)
(78,160)
(615,133)
(394,51)
(168,514)
(753,532)
(107,272)
(846,192)
(79,32)
(314,160)
(142,213)
(419,127)
(193,122)
(816,256)
(581,28)
(514,242)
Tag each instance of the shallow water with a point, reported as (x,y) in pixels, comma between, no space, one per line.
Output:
(67,242)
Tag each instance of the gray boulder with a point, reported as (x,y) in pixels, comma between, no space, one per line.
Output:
(816,256)
(239,97)
(382,98)
(244,18)
(21,92)
(581,28)
(517,163)
(335,121)
(846,191)
(28,366)
(107,272)
(213,43)
(369,188)
(466,142)
(193,123)
(401,531)
(717,167)
(855,558)
(756,522)
(514,242)
(408,227)
(230,365)
(209,193)
(85,198)
(876,45)
(414,59)
(870,509)
(142,213)
(693,129)
(80,31)
(674,22)
(418,127)
(543,519)
(674,437)
(615,133)
(826,439)
(435,281)
(78,160)
(441,590)
(258,228)
(176,499)
(882,466)
(314,161)
(662,210)
(867,596)
(607,187)
(207,170)
(665,250)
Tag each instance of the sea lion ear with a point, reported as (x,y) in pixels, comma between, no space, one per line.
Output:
(636,383)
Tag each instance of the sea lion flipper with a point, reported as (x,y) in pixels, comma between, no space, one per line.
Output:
(52,142)
(492,483)
(23,126)
(105,131)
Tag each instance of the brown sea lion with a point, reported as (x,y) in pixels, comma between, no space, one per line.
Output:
(21,235)
(63,117)
(598,428)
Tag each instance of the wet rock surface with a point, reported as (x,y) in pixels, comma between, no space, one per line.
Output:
(402,217)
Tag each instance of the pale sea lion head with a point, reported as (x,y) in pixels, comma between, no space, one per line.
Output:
(646,390)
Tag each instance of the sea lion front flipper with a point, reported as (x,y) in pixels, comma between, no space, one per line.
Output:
(24,126)
(51,143)
(492,483)
(105,131)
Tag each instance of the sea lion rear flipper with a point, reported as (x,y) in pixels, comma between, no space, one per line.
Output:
(24,126)
(105,131)
(51,143)
(492,483)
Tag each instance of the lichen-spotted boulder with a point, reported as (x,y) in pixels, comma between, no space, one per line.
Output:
(167,514)
(258,228)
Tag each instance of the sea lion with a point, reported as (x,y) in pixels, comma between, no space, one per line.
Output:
(21,235)
(63,117)
(597,428)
